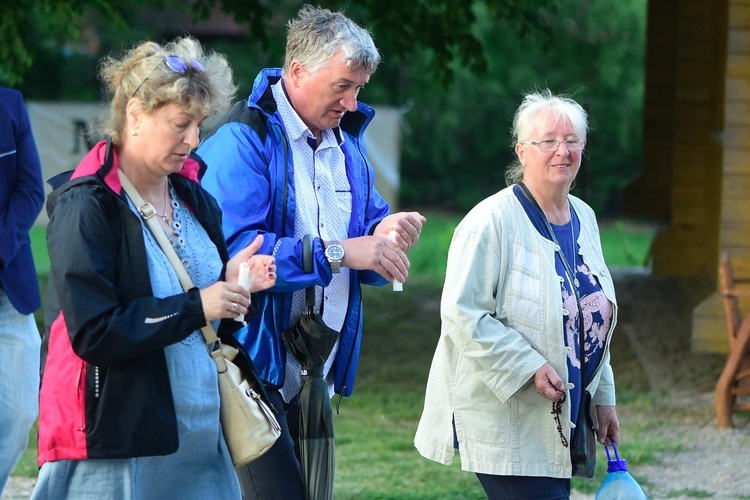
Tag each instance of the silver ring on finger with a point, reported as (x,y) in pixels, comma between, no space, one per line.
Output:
(234,306)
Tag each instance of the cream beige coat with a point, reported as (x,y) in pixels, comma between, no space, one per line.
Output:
(502,317)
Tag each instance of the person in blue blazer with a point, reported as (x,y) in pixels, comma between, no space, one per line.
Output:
(21,199)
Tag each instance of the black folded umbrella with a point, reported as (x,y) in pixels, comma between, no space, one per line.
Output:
(311,341)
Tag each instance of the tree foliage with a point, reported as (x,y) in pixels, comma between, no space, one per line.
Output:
(459,67)
(444,27)
(457,143)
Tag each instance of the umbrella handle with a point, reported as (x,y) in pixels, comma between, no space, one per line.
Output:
(307,263)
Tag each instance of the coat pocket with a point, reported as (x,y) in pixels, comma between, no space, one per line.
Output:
(5,154)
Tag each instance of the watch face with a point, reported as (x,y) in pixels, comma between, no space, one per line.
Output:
(335,252)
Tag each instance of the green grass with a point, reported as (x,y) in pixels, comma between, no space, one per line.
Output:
(626,244)
(375,457)
(27,466)
(39,249)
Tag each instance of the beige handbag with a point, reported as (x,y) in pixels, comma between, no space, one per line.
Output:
(249,425)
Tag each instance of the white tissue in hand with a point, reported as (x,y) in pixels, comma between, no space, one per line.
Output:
(397,285)
(244,281)
(244,278)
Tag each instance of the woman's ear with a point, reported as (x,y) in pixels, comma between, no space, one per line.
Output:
(521,153)
(133,111)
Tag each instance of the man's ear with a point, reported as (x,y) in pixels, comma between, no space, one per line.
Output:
(296,73)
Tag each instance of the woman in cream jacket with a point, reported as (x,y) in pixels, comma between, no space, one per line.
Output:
(509,345)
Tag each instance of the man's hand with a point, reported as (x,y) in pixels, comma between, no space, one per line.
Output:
(406,225)
(376,253)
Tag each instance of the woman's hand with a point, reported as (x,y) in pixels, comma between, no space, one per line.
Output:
(262,267)
(609,426)
(548,383)
(262,272)
(227,299)
(224,300)
(244,255)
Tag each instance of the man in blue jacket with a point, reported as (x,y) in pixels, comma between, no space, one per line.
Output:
(295,164)
(21,199)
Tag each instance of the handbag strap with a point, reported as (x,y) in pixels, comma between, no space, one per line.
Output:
(571,277)
(147,212)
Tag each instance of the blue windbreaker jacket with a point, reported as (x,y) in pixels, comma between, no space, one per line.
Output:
(250,173)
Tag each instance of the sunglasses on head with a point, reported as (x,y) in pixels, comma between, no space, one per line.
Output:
(176,64)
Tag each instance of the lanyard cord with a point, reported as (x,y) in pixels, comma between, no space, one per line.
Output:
(568,272)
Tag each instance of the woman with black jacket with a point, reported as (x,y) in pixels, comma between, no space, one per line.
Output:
(129,404)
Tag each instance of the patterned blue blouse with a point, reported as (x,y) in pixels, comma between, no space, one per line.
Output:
(597,309)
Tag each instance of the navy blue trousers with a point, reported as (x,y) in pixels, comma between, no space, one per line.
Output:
(276,474)
(524,487)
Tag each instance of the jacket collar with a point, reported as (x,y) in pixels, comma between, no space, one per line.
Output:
(102,160)
(353,122)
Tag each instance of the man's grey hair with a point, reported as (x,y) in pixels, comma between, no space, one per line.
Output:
(318,34)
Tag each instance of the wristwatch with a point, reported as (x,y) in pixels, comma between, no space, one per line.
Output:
(335,254)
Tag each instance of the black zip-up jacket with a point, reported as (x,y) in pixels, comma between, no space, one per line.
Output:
(105,387)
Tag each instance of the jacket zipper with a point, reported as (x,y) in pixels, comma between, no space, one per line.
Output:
(81,391)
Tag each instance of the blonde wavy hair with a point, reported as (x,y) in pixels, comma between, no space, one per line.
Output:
(142,72)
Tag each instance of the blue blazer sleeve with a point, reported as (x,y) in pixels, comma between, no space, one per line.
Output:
(21,200)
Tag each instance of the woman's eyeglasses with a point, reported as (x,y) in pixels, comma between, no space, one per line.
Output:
(176,64)
(550,145)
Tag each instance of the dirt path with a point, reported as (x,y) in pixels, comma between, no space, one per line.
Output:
(18,488)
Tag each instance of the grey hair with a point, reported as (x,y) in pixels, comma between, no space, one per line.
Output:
(318,34)
(142,73)
(538,105)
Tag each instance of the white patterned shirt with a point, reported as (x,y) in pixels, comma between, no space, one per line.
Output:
(324,207)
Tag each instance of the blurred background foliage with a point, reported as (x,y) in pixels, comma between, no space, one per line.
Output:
(457,68)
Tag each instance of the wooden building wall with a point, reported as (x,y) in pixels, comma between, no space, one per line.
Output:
(735,212)
(696,128)
(709,326)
